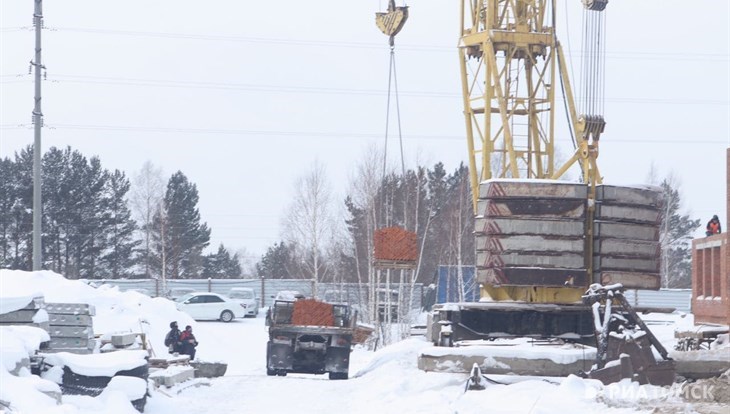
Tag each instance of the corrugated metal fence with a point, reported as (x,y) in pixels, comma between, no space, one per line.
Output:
(679,299)
(355,294)
(266,289)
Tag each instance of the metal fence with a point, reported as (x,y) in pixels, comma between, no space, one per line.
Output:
(679,299)
(353,293)
(266,289)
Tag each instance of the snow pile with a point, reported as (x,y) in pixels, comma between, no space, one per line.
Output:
(115,312)
(98,365)
(18,343)
(25,393)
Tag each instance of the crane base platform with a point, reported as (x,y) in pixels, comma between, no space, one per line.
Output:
(518,356)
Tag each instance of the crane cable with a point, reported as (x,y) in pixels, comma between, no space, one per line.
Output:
(593,69)
(391,23)
(393,82)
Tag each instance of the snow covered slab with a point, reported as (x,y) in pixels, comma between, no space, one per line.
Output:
(637,195)
(63,331)
(533,207)
(512,259)
(630,264)
(627,248)
(631,280)
(56,343)
(18,316)
(538,226)
(510,188)
(71,308)
(507,243)
(98,365)
(14,303)
(637,214)
(70,319)
(513,357)
(172,375)
(703,363)
(605,229)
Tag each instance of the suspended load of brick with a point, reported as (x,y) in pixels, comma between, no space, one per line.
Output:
(535,232)
(395,247)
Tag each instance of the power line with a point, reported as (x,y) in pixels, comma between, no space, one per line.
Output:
(638,55)
(120,81)
(319,134)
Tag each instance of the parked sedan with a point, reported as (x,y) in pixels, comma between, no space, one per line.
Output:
(210,306)
(247,296)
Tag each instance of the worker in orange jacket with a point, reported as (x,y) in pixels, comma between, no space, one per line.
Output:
(713,226)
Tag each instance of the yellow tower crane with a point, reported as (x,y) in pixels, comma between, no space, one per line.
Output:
(512,65)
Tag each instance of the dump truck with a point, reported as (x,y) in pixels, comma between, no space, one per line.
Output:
(309,336)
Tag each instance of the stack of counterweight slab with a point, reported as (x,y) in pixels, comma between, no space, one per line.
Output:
(626,243)
(531,233)
(71,327)
(534,233)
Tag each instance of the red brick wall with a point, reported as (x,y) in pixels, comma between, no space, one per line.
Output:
(711,270)
(711,279)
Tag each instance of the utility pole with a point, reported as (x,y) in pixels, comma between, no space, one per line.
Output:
(38,124)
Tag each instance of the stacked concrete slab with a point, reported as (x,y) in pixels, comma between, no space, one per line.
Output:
(626,236)
(531,233)
(534,233)
(71,327)
(26,315)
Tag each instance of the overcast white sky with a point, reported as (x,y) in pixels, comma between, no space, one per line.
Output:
(242,97)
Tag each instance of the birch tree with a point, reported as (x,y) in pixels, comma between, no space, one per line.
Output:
(309,223)
(145,199)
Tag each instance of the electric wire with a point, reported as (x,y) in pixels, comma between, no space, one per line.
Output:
(638,55)
(316,134)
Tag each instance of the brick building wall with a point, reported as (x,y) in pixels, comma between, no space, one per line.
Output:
(711,270)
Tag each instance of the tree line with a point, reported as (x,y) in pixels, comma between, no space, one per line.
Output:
(99,224)
(88,226)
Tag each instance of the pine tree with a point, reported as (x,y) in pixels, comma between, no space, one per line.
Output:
(184,236)
(118,260)
(275,263)
(21,228)
(8,196)
(221,265)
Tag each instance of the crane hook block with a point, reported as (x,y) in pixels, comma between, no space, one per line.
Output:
(392,21)
(595,5)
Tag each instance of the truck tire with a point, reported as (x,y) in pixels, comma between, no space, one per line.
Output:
(226,316)
(338,375)
(270,372)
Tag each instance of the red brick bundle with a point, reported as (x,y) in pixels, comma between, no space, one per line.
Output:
(395,244)
(313,313)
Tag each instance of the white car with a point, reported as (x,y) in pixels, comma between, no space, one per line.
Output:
(176,293)
(246,296)
(210,306)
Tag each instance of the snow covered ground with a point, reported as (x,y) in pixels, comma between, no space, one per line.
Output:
(386,381)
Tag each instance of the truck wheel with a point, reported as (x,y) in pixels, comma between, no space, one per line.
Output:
(338,375)
(226,316)
(270,372)
(281,373)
